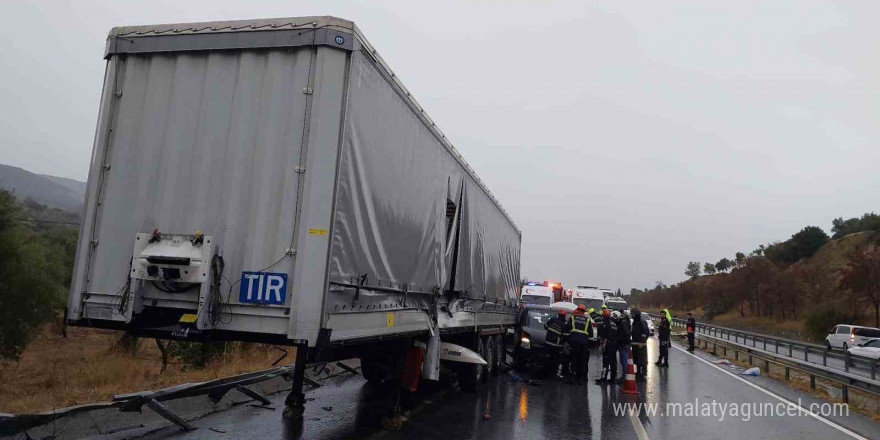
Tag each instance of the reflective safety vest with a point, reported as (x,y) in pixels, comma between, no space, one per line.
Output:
(668,316)
(555,340)
(581,324)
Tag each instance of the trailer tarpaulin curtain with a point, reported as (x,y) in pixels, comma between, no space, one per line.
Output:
(395,180)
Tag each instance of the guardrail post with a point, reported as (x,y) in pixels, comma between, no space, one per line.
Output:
(789,350)
(806,353)
(754,341)
(765,344)
(776,344)
(874,369)
(766,366)
(787,373)
(825,357)
(736,354)
(750,359)
(846,361)
(725,351)
(845,390)
(813,381)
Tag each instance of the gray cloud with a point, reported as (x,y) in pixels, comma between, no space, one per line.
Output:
(625,140)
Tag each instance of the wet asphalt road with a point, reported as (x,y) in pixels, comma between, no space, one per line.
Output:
(348,408)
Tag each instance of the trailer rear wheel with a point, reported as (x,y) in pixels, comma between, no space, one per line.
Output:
(499,355)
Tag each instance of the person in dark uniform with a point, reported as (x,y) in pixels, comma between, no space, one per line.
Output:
(663,335)
(691,330)
(624,333)
(557,332)
(578,340)
(639,344)
(608,348)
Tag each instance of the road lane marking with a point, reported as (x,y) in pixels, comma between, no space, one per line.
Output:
(777,396)
(640,429)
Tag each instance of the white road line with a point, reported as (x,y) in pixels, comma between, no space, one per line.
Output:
(783,399)
(640,429)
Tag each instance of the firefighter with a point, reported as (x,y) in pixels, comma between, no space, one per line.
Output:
(608,348)
(578,340)
(691,330)
(557,332)
(663,335)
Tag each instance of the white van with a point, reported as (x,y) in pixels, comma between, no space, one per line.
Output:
(536,294)
(589,296)
(845,336)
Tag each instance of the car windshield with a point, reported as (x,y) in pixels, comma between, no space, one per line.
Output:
(589,302)
(537,318)
(617,305)
(536,299)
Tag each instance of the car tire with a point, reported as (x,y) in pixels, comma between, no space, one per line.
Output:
(828,345)
(845,346)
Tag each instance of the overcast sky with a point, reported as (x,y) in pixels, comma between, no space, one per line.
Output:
(625,140)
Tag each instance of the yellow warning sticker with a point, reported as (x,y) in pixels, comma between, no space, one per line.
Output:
(188,318)
(389,320)
(316,231)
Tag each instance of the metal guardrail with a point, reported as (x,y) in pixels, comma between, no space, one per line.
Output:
(214,389)
(755,345)
(134,402)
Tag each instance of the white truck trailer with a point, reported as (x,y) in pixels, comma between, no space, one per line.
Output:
(274,181)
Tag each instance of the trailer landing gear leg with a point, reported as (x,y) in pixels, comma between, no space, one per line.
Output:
(295,403)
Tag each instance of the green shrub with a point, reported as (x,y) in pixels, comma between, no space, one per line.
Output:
(821,321)
(196,355)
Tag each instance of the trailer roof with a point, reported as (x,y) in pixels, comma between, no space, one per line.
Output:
(127,33)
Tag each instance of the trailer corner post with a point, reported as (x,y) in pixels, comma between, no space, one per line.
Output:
(294,404)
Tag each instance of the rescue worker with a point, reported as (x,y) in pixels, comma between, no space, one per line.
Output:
(578,340)
(557,331)
(608,348)
(624,333)
(640,333)
(663,335)
(691,330)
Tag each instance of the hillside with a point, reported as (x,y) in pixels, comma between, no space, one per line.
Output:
(54,192)
(799,300)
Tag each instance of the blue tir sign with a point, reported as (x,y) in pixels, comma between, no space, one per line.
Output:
(262,288)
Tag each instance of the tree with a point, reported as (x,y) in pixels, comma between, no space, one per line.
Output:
(29,290)
(806,242)
(693,269)
(619,293)
(868,222)
(740,258)
(861,276)
(723,265)
(709,268)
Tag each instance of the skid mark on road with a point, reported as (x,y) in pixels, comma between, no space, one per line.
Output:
(777,396)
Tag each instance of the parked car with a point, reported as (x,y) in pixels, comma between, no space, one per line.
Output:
(869,349)
(845,336)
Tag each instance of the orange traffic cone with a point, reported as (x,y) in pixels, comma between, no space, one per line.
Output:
(629,384)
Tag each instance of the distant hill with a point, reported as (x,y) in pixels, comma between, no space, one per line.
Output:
(54,192)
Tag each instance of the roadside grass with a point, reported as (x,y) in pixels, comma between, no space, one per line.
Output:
(90,366)
(862,403)
(788,328)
